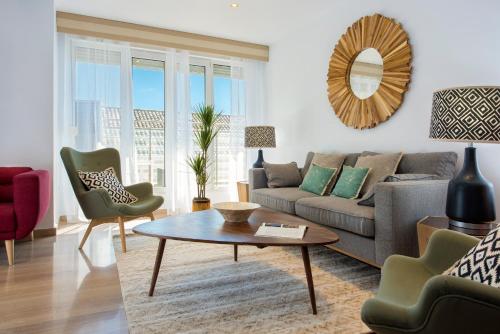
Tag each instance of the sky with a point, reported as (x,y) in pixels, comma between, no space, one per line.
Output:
(148,90)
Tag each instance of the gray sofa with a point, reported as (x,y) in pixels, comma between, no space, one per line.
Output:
(369,234)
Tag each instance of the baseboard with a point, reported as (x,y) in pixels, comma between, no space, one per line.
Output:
(45,232)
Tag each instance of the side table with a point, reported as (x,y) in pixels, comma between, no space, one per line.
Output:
(243,191)
(427,225)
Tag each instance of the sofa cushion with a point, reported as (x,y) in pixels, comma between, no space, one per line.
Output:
(338,212)
(369,199)
(333,160)
(281,199)
(350,182)
(7,217)
(381,165)
(282,175)
(442,164)
(317,179)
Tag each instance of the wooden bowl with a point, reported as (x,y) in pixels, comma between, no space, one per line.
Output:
(234,212)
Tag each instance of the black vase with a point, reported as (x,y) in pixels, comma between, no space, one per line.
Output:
(470,202)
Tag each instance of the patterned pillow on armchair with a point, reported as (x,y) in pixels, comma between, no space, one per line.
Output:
(108,181)
(482,262)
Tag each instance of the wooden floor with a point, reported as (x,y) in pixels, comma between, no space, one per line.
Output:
(55,288)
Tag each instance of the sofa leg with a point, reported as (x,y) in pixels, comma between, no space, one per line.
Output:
(9,247)
(121,223)
(151,216)
(87,233)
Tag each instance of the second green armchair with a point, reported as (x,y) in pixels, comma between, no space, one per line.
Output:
(415,297)
(97,204)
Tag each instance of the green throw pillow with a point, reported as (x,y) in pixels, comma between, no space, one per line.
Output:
(350,182)
(317,179)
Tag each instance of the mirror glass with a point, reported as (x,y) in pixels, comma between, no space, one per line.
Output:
(366,73)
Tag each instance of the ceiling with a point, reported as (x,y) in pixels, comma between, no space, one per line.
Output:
(256,21)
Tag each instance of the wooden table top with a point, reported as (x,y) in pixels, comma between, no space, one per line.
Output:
(209,226)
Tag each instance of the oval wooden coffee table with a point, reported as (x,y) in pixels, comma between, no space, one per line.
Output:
(209,226)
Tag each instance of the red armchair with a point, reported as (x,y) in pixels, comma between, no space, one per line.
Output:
(24,201)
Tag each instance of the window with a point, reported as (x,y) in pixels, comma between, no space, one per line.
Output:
(211,83)
(148,90)
(197,86)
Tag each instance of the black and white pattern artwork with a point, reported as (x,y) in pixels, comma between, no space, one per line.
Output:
(469,114)
(481,263)
(107,180)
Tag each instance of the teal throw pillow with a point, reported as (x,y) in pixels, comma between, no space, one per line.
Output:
(350,182)
(317,179)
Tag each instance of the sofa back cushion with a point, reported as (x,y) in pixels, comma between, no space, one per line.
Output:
(350,160)
(6,180)
(442,164)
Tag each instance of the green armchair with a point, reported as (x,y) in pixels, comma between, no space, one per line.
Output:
(97,204)
(414,297)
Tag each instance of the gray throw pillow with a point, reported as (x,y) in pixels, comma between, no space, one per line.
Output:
(369,199)
(282,175)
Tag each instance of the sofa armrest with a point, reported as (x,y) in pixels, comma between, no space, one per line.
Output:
(256,179)
(31,195)
(398,207)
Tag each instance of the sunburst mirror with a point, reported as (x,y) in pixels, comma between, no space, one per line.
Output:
(369,71)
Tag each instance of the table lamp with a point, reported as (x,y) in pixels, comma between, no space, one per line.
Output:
(472,115)
(259,137)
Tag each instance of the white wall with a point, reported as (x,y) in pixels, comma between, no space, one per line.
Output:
(453,43)
(27,86)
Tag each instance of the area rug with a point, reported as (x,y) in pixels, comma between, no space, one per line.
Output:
(200,289)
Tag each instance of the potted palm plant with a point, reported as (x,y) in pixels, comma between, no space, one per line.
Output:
(205,129)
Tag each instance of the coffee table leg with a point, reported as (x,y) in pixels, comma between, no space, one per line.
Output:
(159,256)
(310,284)
(235,253)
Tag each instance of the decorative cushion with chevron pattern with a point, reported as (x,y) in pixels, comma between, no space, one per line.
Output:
(107,180)
(482,262)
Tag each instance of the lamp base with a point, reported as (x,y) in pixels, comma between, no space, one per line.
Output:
(477,230)
(473,226)
(470,202)
(260,160)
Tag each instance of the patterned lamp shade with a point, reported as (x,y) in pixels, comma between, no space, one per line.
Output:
(260,136)
(468,114)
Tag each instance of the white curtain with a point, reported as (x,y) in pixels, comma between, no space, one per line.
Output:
(179,141)
(94,109)
(247,108)
(255,101)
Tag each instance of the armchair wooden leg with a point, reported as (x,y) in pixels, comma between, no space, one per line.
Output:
(121,223)
(87,233)
(9,247)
